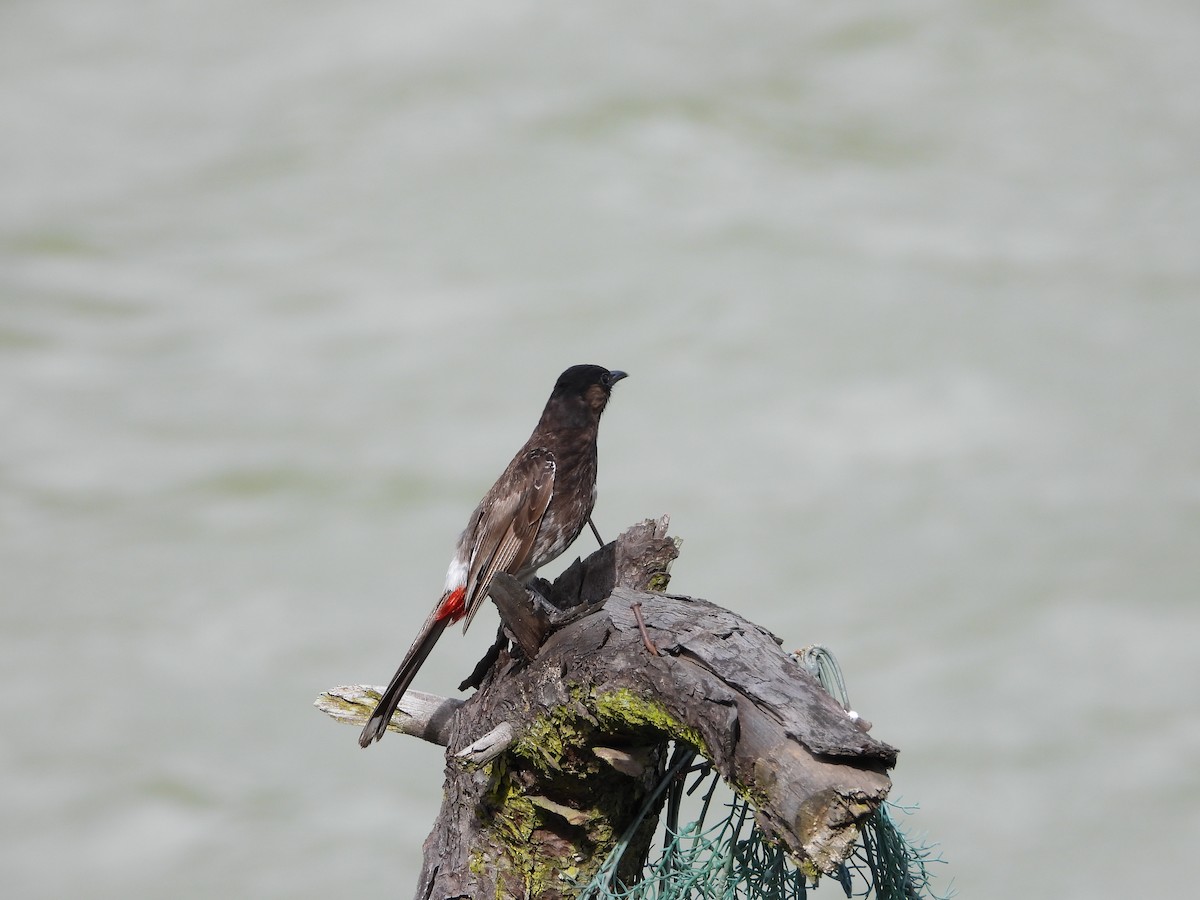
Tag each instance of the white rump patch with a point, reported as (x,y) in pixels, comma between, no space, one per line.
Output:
(456,575)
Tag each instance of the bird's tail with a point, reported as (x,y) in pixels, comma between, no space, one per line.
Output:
(416,656)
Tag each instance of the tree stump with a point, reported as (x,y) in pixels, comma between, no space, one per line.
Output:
(551,760)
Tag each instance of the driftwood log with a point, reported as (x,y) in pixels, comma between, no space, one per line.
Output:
(549,762)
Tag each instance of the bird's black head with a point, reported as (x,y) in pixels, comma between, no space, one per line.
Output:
(578,379)
(582,392)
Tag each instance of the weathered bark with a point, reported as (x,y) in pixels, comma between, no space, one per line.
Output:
(576,727)
(427,716)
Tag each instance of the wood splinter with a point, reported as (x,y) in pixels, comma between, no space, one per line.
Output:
(491,745)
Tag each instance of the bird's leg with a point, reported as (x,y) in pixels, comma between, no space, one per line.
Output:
(592,525)
(636,606)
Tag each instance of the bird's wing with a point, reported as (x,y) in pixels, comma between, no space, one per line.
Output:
(505,534)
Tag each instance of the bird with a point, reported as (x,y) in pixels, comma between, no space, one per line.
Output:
(536,509)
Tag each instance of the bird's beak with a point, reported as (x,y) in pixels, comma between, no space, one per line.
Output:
(616,375)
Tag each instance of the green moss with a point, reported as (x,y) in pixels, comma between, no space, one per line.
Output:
(516,820)
(624,707)
(549,746)
(477,863)
(546,741)
(511,828)
(658,582)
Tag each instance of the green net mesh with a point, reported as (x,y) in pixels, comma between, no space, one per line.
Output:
(721,854)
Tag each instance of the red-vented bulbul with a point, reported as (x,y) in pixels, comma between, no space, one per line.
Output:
(533,512)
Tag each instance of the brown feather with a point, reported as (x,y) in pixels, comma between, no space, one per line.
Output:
(513,527)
